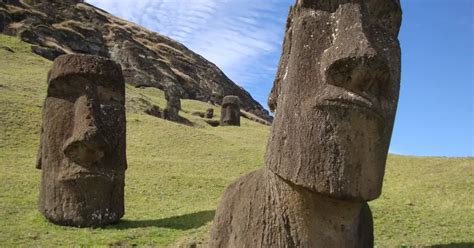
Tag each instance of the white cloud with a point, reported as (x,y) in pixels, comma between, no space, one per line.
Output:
(242,37)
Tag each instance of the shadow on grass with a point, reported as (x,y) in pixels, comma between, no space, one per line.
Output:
(182,222)
(455,245)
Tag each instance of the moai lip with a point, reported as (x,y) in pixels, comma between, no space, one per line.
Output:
(82,150)
(230,111)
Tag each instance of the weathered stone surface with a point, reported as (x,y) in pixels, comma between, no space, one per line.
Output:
(335,95)
(47,52)
(262,210)
(209,113)
(173,103)
(230,111)
(82,149)
(147,58)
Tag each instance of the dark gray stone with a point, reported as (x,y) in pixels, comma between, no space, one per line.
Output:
(209,113)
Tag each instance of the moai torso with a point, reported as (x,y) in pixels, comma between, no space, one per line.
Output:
(335,96)
(230,111)
(82,151)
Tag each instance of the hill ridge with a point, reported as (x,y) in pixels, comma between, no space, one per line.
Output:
(148,58)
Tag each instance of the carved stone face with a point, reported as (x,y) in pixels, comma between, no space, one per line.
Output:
(173,103)
(82,154)
(230,112)
(335,94)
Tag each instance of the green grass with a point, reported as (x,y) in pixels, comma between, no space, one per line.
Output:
(177,173)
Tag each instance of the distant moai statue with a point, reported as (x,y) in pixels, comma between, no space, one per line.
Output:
(209,113)
(230,111)
(173,103)
(82,148)
(335,95)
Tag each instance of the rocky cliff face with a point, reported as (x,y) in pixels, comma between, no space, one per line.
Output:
(148,59)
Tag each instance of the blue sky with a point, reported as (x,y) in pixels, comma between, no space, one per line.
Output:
(243,38)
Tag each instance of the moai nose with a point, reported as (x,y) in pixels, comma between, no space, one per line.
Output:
(362,74)
(353,61)
(87,144)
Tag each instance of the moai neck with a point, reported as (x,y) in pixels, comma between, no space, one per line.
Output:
(321,221)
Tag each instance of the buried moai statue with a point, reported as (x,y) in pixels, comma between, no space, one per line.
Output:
(209,113)
(335,96)
(173,103)
(82,148)
(230,111)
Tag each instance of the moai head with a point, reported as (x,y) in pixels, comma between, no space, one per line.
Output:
(335,95)
(82,153)
(230,112)
(173,103)
(209,113)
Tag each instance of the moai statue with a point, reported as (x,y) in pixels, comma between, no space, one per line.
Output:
(82,148)
(230,111)
(173,103)
(335,95)
(209,113)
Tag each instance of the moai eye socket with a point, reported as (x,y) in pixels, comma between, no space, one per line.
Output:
(67,88)
(110,96)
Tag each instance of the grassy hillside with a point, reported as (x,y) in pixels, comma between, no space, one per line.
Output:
(177,173)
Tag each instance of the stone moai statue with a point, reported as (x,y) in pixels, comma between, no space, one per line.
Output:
(230,111)
(335,96)
(209,113)
(173,103)
(82,148)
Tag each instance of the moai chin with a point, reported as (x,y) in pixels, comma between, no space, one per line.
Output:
(230,111)
(335,96)
(173,103)
(82,149)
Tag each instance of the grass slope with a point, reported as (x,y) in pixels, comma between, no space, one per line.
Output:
(177,173)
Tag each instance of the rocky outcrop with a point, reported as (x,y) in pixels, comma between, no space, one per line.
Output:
(147,58)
